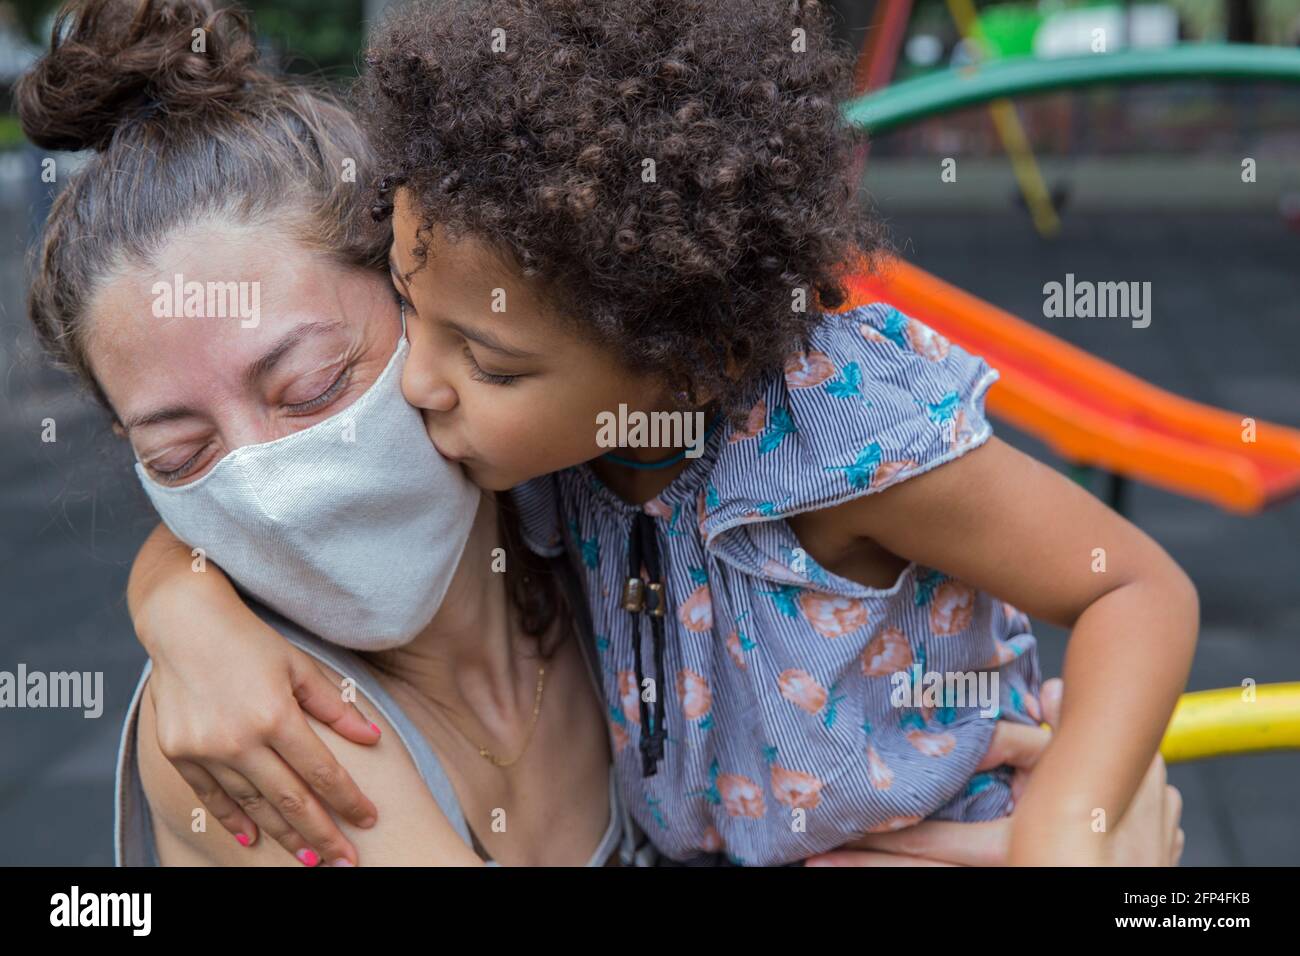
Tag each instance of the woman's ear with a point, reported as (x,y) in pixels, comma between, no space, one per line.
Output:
(118,430)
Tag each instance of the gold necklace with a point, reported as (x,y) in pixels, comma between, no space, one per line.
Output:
(483,752)
(537,707)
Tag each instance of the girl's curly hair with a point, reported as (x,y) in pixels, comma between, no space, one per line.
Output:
(675,172)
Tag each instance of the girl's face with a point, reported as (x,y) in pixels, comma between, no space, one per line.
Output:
(188,390)
(506,387)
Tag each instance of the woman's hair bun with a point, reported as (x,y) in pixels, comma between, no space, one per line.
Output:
(114,61)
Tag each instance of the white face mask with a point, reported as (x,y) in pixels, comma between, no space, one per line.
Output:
(351,528)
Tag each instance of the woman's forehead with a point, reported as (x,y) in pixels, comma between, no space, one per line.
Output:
(156,329)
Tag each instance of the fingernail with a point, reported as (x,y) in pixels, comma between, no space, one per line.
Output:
(375,728)
(243,839)
(367,823)
(342,861)
(817,862)
(307,857)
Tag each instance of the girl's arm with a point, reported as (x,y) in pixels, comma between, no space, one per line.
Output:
(1007,524)
(231,697)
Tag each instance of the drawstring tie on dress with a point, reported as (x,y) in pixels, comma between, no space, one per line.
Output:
(650,597)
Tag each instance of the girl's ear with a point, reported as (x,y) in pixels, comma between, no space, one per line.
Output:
(687,395)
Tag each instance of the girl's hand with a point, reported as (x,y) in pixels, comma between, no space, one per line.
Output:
(231,698)
(1148,834)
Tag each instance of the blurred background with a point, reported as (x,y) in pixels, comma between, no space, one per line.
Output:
(1143,183)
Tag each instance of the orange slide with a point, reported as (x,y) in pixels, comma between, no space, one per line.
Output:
(1090,412)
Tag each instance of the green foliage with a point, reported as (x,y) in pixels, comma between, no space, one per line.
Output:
(11,134)
(310,35)
(32,15)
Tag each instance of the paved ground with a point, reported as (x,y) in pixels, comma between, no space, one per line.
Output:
(1225,331)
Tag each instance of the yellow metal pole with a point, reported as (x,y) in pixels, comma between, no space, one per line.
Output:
(1213,723)
(1012,133)
(1219,723)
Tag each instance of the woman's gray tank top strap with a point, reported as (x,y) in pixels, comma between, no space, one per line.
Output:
(133,823)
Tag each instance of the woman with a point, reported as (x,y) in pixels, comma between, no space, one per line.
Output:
(270,435)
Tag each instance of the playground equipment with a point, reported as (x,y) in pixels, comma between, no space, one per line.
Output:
(1006,120)
(940,93)
(1086,409)
(1216,723)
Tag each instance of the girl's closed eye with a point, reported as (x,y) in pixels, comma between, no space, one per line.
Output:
(479,374)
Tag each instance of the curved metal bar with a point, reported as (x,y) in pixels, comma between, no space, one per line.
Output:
(1215,723)
(936,94)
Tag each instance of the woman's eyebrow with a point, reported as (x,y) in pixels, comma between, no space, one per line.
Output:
(259,367)
(170,414)
(272,356)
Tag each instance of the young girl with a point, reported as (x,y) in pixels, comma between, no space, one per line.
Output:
(809,630)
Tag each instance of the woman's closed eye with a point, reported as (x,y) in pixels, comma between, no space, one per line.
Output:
(191,465)
(170,476)
(331,392)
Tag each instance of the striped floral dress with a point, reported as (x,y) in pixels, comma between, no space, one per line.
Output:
(801,709)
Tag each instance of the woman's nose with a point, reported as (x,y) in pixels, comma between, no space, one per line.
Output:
(253,427)
(423,384)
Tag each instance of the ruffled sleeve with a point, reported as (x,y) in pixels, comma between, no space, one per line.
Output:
(878,398)
(538,504)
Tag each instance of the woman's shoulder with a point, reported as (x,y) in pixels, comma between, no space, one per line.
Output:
(185,833)
(876,398)
(412,827)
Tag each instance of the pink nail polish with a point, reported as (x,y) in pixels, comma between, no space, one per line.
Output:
(307,857)
(375,728)
(342,861)
(243,839)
